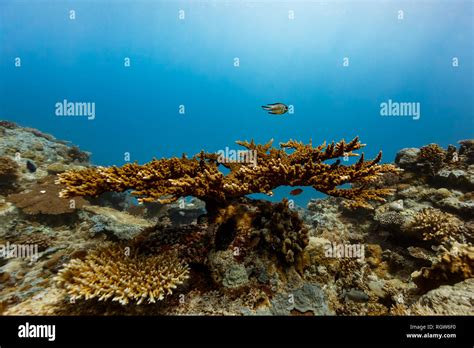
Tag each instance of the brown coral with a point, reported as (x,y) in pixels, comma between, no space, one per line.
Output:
(453,267)
(390,219)
(75,154)
(8,174)
(435,225)
(466,150)
(43,198)
(282,231)
(246,224)
(431,157)
(191,242)
(112,274)
(41,240)
(166,180)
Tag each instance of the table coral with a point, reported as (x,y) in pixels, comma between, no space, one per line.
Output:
(293,164)
(112,274)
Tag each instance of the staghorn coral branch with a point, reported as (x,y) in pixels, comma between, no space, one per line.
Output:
(166,180)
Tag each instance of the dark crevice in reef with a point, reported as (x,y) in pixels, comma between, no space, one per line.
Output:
(225,234)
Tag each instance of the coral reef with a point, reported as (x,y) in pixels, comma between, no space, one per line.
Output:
(235,255)
(113,274)
(167,180)
(8,124)
(280,229)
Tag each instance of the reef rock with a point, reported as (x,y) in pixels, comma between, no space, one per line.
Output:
(308,298)
(110,221)
(456,178)
(457,299)
(407,158)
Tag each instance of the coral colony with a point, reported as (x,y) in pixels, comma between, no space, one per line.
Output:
(389,239)
(167,180)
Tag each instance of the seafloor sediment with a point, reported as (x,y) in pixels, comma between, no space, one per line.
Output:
(411,255)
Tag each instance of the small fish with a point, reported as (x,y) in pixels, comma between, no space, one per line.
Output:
(296,192)
(276,108)
(30,166)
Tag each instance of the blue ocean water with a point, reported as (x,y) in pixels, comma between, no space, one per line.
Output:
(295,52)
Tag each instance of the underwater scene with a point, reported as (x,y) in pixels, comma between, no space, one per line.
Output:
(241,158)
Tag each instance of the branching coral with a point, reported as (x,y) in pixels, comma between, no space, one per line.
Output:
(112,274)
(436,225)
(8,173)
(431,157)
(454,266)
(293,164)
(43,198)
